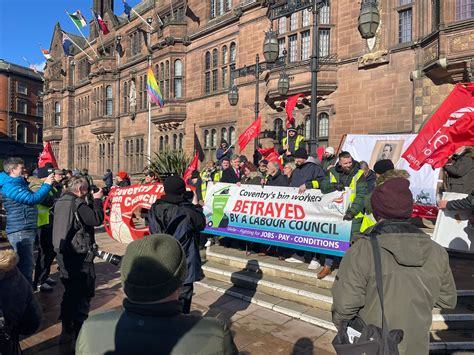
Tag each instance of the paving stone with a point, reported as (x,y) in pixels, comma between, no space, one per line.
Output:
(293,330)
(324,342)
(243,336)
(253,322)
(272,316)
(269,345)
(242,307)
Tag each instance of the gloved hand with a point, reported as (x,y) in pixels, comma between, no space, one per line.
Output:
(339,186)
(349,216)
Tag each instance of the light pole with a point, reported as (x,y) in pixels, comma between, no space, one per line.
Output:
(256,70)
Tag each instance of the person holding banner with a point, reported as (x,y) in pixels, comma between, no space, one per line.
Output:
(347,173)
(460,171)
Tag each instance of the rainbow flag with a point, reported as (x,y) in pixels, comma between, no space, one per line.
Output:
(153,89)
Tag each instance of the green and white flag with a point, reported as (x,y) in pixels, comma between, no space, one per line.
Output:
(78,19)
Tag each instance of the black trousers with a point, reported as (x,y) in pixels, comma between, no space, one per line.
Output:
(46,255)
(79,288)
(186,297)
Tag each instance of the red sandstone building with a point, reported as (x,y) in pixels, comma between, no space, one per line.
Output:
(389,84)
(21,112)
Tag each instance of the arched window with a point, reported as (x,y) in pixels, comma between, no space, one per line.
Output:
(323,125)
(224,134)
(21,133)
(307,127)
(167,141)
(57,114)
(157,72)
(175,141)
(225,57)
(207,139)
(162,70)
(125,97)
(215,58)
(233,52)
(178,78)
(181,137)
(208,61)
(213,138)
(108,101)
(231,134)
(278,128)
(161,143)
(167,79)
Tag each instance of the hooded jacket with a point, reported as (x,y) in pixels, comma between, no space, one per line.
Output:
(20,202)
(21,309)
(309,174)
(416,277)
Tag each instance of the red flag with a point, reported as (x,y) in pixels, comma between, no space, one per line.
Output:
(447,130)
(290,105)
(252,131)
(453,135)
(320,153)
(102,24)
(193,166)
(270,154)
(47,156)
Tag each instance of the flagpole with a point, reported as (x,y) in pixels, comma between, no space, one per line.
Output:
(98,30)
(88,56)
(82,34)
(141,18)
(149,118)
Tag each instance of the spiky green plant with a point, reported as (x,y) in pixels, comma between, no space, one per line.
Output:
(169,162)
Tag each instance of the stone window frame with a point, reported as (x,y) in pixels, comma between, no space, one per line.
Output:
(135,43)
(126,102)
(219,7)
(109,103)
(220,58)
(21,88)
(134,153)
(404,8)
(210,147)
(22,106)
(304,21)
(463,10)
(23,128)
(82,156)
(57,114)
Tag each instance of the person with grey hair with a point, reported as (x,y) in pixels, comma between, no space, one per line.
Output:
(275,177)
(233,173)
(22,215)
(73,240)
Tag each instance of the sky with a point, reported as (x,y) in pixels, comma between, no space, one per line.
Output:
(25,24)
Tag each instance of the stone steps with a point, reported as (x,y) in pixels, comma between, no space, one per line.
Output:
(293,290)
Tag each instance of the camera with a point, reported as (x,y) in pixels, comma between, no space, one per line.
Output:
(108,257)
(50,171)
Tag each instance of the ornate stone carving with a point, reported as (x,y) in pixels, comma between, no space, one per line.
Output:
(378,57)
(430,53)
(238,12)
(169,41)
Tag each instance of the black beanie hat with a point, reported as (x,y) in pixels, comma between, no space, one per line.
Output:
(152,268)
(174,185)
(393,199)
(382,166)
(43,172)
(300,153)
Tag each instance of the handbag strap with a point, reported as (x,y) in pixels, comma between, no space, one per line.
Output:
(378,279)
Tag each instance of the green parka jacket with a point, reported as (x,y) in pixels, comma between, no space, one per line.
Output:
(153,329)
(416,278)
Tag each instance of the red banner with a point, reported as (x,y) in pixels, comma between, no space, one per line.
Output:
(251,132)
(289,107)
(424,211)
(122,204)
(47,156)
(450,127)
(270,154)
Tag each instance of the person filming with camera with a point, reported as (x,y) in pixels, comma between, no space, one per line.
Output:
(74,243)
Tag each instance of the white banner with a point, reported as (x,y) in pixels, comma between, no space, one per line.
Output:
(279,216)
(451,230)
(372,148)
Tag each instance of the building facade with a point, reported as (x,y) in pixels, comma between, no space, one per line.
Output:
(388,84)
(21,112)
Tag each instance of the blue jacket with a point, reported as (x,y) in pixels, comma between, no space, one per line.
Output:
(20,202)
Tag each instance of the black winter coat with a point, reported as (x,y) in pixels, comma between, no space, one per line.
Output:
(21,309)
(278,180)
(370,178)
(307,174)
(460,174)
(178,217)
(229,175)
(462,204)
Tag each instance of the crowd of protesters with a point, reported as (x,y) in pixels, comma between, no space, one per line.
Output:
(61,208)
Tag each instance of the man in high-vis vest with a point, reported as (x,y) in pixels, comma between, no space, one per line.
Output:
(347,173)
(46,254)
(290,144)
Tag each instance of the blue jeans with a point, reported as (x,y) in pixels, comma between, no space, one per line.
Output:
(23,242)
